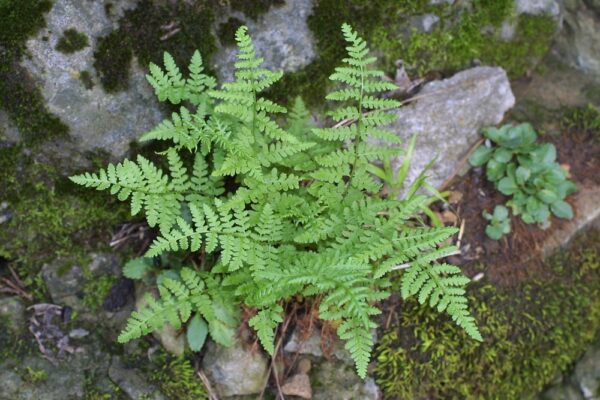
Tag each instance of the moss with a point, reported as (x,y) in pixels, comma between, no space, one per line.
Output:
(531,332)
(462,36)
(95,289)
(149,30)
(254,9)
(584,120)
(19,95)
(177,378)
(86,80)
(72,41)
(50,216)
(33,376)
(227,31)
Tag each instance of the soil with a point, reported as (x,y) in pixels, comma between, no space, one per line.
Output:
(517,256)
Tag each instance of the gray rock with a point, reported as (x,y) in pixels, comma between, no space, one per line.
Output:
(8,131)
(281,36)
(587,373)
(566,392)
(312,347)
(448,117)
(334,380)
(579,43)
(132,382)
(425,23)
(64,380)
(65,285)
(538,7)
(235,371)
(12,310)
(96,120)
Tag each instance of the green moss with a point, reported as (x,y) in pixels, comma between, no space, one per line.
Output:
(95,289)
(227,31)
(582,120)
(255,8)
(177,378)
(33,376)
(19,95)
(531,332)
(462,36)
(86,79)
(72,41)
(149,30)
(50,216)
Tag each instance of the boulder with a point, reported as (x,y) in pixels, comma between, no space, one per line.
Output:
(281,36)
(132,382)
(447,117)
(96,120)
(235,371)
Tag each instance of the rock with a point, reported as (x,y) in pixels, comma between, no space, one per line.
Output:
(538,7)
(131,382)
(587,373)
(298,385)
(312,346)
(338,381)
(12,310)
(579,43)
(425,23)
(35,377)
(65,285)
(587,211)
(281,36)
(96,120)
(235,371)
(448,117)
(567,392)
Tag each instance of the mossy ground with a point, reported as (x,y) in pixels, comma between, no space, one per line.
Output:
(19,96)
(51,217)
(461,37)
(72,41)
(531,331)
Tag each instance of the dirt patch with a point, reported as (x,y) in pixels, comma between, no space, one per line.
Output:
(513,258)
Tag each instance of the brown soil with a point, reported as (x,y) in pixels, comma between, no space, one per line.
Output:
(513,258)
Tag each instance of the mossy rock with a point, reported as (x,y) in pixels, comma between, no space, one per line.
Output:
(532,331)
(72,41)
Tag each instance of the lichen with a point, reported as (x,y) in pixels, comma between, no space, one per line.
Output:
(19,95)
(531,332)
(149,30)
(72,41)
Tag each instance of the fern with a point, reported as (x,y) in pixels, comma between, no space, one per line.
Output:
(303,213)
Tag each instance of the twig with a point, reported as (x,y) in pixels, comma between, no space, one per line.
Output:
(407,265)
(211,392)
(275,351)
(461,233)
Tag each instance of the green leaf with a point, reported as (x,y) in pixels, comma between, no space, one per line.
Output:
(547,196)
(502,155)
(500,212)
(493,231)
(136,268)
(222,333)
(562,209)
(495,170)
(481,156)
(196,333)
(507,186)
(522,174)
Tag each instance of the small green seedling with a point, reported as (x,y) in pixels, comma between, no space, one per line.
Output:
(499,222)
(527,172)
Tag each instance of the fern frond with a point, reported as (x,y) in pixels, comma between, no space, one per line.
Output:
(264,323)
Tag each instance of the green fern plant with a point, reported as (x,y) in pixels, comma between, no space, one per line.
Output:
(303,215)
